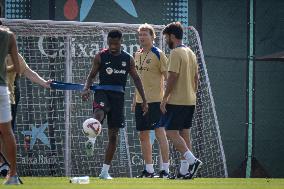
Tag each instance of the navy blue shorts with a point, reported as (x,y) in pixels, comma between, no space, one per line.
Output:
(149,121)
(113,105)
(177,117)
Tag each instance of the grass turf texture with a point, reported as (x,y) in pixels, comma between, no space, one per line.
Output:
(133,183)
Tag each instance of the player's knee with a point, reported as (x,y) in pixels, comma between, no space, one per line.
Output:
(99,114)
(171,134)
(160,134)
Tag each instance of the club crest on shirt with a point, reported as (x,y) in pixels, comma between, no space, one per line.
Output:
(123,63)
(109,71)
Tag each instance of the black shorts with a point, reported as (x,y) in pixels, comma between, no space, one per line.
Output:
(150,121)
(113,105)
(177,117)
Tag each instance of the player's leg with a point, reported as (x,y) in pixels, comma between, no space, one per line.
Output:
(185,134)
(164,148)
(154,119)
(4,165)
(9,143)
(111,147)
(100,105)
(8,137)
(174,122)
(115,120)
(143,127)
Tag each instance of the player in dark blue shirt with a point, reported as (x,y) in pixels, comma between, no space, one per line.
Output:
(113,66)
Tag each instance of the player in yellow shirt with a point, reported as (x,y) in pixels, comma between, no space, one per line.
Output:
(10,78)
(151,66)
(179,100)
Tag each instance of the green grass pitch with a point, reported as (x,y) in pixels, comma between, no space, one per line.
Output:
(133,183)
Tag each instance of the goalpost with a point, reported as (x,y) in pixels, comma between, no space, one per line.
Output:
(49,122)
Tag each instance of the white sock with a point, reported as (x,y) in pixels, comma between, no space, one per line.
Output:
(183,167)
(105,168)
(149,168)
(189,157)
(166,167)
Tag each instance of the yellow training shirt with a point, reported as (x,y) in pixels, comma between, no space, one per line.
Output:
(150,66)
(183,61)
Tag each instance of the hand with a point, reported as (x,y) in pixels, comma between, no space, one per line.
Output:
(163,106)
(144,107)
(47,83)
(85,94)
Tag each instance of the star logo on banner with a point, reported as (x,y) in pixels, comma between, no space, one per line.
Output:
(72,8)
(37,133)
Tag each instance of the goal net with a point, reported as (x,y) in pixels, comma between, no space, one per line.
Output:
(49,122)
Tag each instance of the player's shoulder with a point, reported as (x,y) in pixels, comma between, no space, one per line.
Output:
(179,50)
(158,52)
(190,51)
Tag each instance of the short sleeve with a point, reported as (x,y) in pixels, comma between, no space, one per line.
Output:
(163,62)
(174,62)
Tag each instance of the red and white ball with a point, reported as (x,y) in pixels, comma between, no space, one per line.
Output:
(92,127)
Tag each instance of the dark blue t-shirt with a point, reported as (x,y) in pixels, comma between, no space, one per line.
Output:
(114,69)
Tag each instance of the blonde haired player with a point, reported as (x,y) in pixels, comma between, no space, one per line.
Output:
(151,65)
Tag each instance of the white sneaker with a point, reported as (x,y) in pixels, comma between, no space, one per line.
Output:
(105,175)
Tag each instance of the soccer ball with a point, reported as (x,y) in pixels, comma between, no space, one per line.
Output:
(92,127)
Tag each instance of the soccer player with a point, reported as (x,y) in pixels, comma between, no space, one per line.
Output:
(151,64)
(14,96)
(179,100)
(113,66)
(7,45)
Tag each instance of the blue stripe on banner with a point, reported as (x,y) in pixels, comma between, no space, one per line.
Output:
(79,87)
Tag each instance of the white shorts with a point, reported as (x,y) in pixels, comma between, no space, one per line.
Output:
(5,107)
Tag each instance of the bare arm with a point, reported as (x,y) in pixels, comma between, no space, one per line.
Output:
(138,84)
(90,79)
(14,52)
(136,79)
(34,77)
(171,81)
